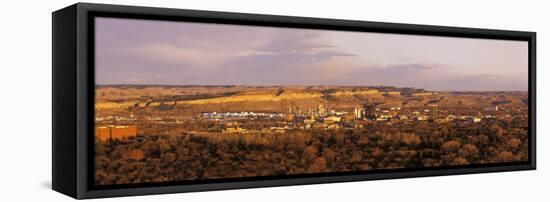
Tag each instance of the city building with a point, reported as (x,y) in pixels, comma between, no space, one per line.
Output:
(491,108)
(321,110)
(370,112)
(383,117)
(434,110)
(109,133)
(332,119)
(359,113)
(233,127)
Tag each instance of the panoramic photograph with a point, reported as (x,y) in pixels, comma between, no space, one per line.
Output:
(188,101)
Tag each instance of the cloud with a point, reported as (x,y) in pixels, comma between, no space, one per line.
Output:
(484,82)
(435,77)
(290,57)
(162,52)
(168,53)
(303,43)
(275,57)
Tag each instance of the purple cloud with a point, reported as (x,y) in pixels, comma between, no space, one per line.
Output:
(436,77)
(163,52)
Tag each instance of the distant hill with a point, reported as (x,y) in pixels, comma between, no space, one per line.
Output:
(275,98)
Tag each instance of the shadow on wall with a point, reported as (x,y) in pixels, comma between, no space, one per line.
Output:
(46,184)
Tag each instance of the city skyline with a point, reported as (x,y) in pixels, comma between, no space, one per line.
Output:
(144,52)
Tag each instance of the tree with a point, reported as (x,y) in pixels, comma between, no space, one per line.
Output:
(319,165)
(133,154)
(460,161)
(450,146)
(468,151)
(505,156)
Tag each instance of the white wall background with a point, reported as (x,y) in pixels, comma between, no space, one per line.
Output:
(25,102)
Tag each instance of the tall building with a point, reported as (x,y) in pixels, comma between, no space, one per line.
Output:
(322,111)
(293,109)
(434,111)
(359,113)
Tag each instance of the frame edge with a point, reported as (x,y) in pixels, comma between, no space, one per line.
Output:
(82,141)
(64,143)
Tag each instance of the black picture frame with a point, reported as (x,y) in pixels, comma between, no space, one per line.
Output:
(73,101)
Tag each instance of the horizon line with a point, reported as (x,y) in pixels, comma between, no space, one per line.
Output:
(296,85)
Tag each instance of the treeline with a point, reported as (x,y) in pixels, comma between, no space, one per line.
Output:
(158,158)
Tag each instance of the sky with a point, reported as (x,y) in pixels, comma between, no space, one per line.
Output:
(129,51)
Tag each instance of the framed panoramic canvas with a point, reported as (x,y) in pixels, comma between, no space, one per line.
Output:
(154,100)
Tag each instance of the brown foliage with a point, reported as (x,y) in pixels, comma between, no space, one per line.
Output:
(450,146)
(134,154)
(159,158)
